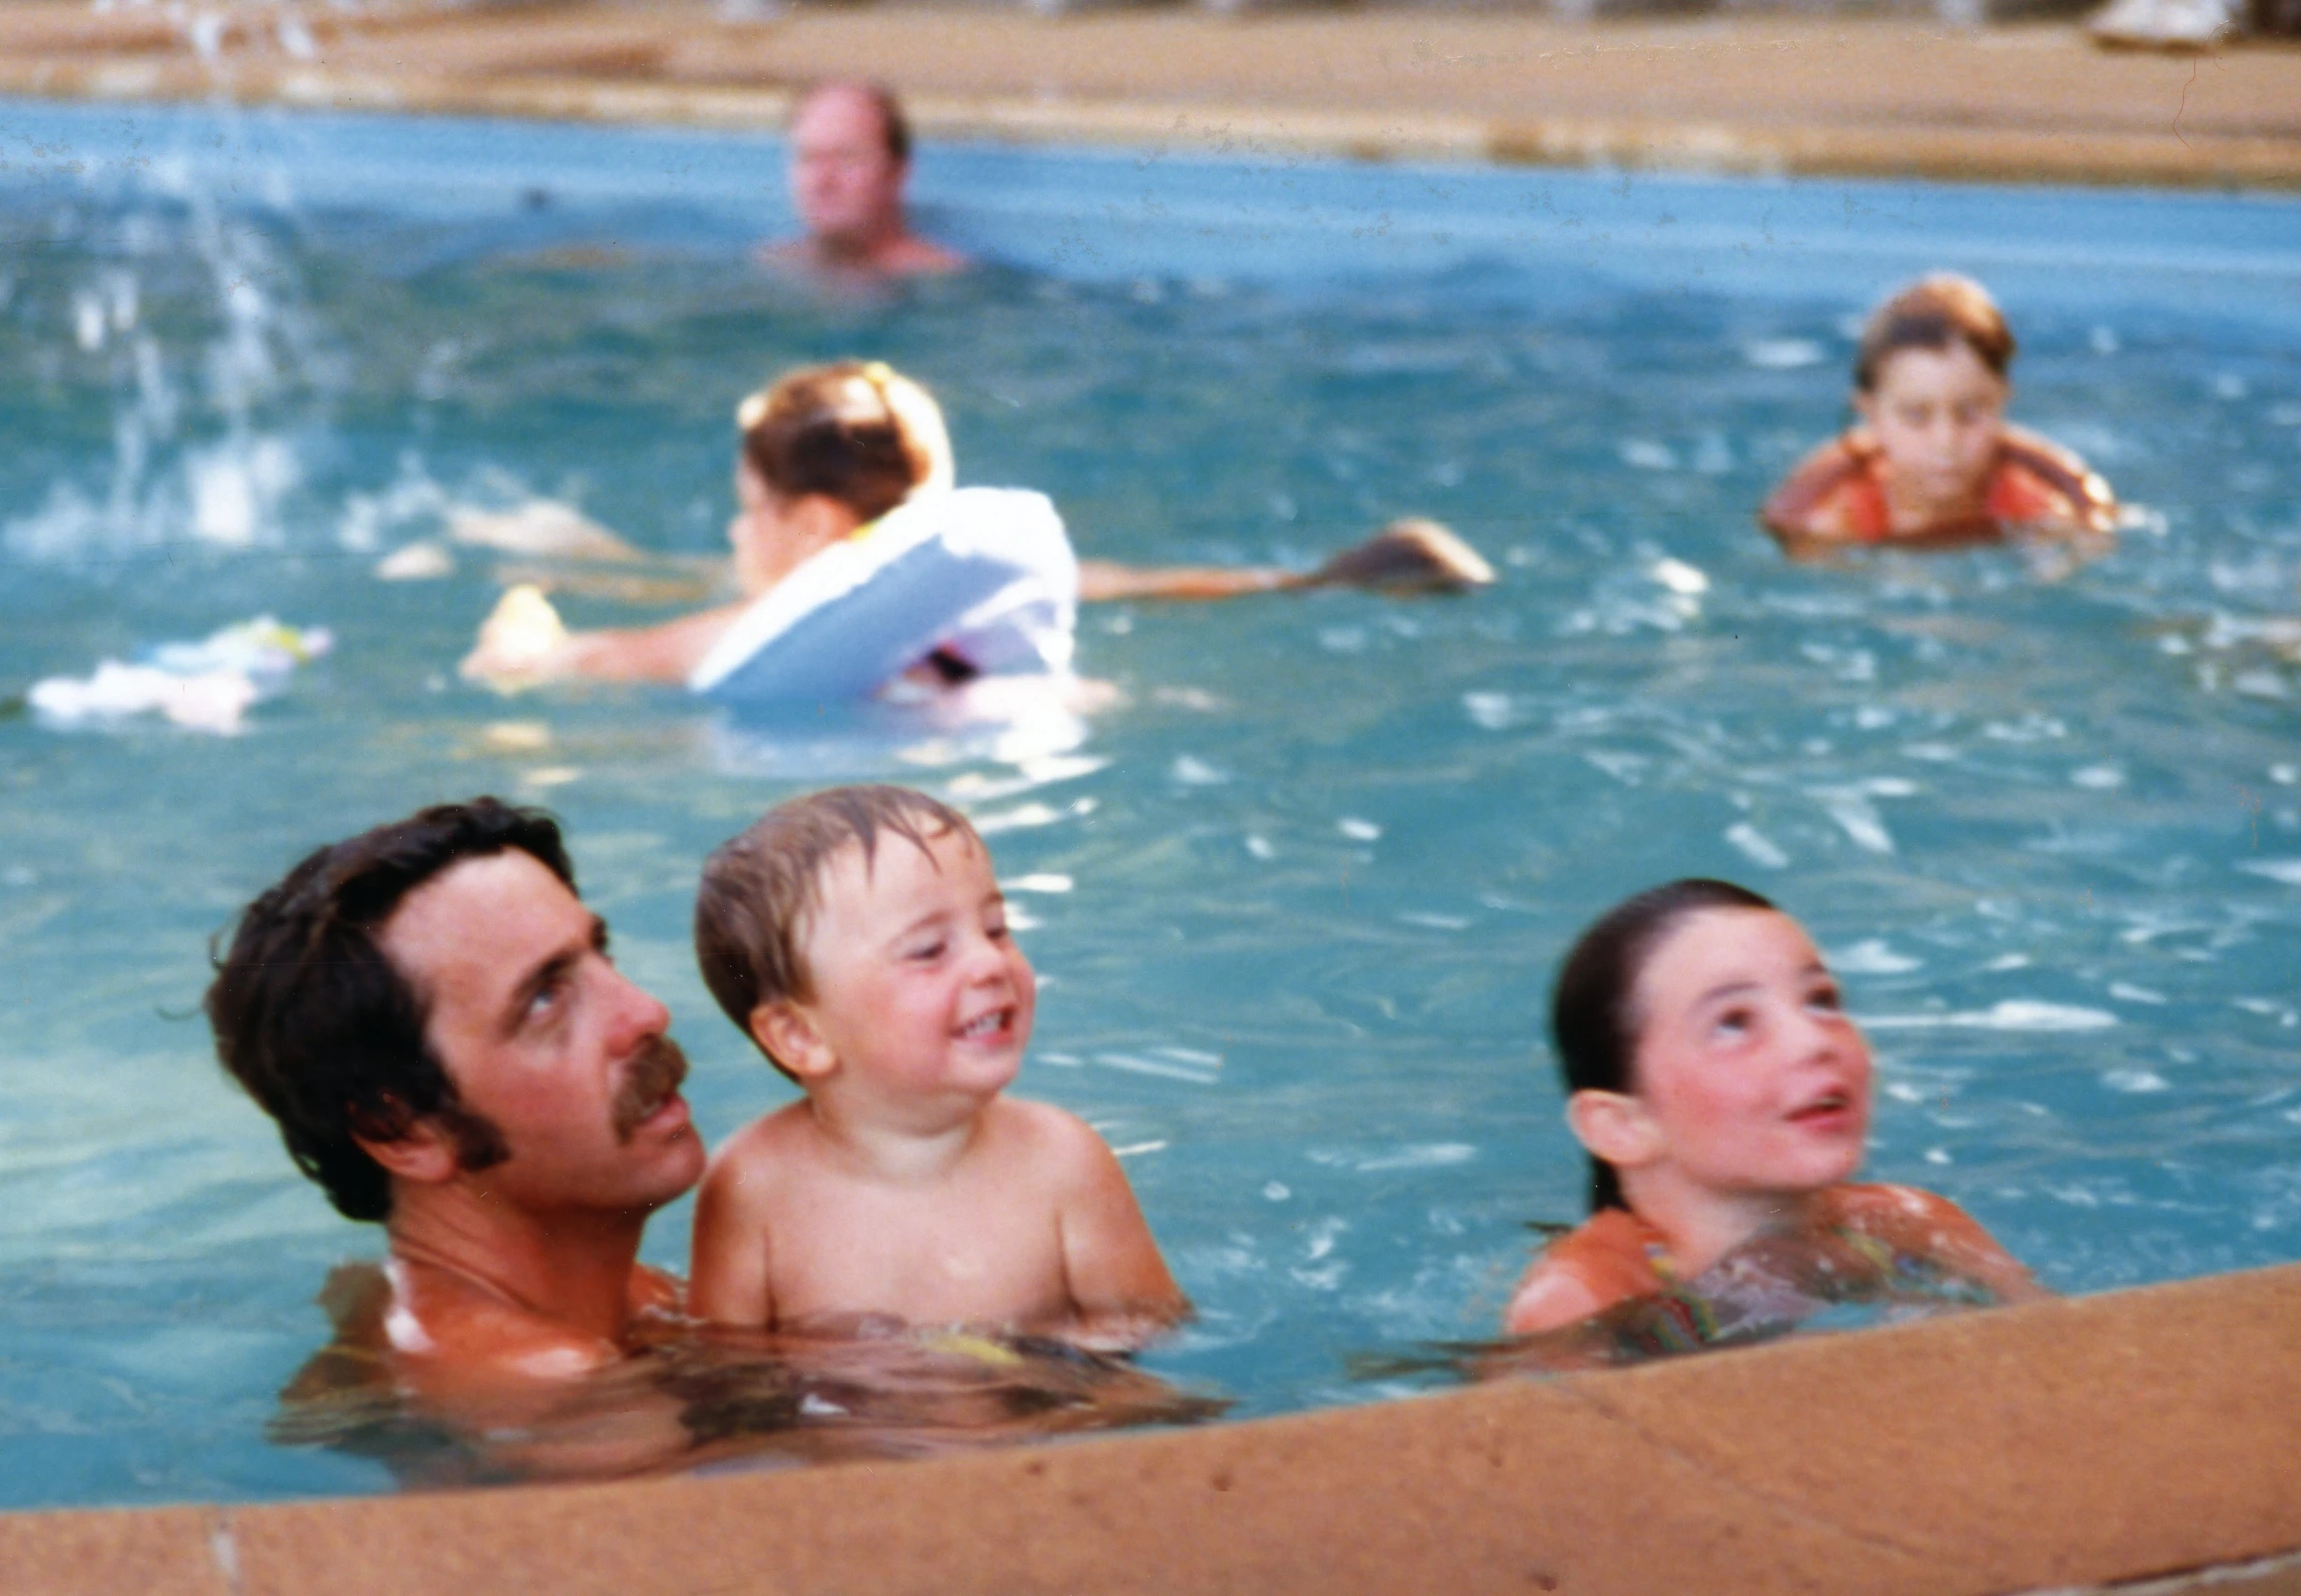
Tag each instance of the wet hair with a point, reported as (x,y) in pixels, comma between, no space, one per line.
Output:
(895,128)
(1593,1017)
(319,1027)
(1935,313)
(761,888)
(855,432)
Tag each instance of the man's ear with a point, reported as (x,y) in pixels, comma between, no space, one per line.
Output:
(787,1034)
(1615,1128)
(424,1154)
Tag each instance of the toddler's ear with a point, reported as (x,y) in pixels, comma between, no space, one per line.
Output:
(1614,1126)
(789,1037)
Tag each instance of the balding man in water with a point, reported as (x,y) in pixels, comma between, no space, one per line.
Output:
(430,1013)
(850,161)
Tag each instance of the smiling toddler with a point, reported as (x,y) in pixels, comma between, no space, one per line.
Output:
(860,939)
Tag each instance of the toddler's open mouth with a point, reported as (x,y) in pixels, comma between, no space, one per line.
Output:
(986,1026)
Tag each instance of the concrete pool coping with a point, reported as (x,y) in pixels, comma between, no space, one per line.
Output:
(2134,1435)
(1746,93)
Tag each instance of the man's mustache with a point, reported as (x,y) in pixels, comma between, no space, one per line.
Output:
(655,1071)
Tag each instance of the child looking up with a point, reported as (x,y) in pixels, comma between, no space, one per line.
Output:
(859,937)
(1721,1095)
(1934,462)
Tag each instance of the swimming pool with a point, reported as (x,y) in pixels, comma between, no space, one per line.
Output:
(1320,866)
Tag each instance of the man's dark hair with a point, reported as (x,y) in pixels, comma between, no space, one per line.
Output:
(319,1027)
(1593,1017)
(761,886)
(894,126)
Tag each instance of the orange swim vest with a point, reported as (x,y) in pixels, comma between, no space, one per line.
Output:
(1837,494)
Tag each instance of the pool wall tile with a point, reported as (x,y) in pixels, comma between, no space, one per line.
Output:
(2131,1435)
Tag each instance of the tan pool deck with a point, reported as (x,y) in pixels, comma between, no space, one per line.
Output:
(2058,1446)
(1750,91)
(2126,1440)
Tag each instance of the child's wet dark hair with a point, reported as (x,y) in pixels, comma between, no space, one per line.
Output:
(1592,1020)
(1935,313)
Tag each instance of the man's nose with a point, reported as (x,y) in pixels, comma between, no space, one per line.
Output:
(638,1013)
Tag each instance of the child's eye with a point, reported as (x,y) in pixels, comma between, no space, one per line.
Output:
(1731,1026)
(927,951)
(1825,999)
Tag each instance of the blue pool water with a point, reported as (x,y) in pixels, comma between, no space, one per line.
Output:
(1321,863)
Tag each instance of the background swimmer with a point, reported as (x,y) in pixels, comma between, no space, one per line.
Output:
(859,938)
(828,450)
(849,163)
(1723,1096)
(1932,462)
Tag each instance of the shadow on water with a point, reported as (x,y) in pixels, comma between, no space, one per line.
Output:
(693,1398)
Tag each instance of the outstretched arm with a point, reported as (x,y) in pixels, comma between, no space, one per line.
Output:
(1411,555)
(523,642)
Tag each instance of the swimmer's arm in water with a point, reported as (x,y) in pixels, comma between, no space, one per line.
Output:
(1603,1263)
(1411,555)
(1121,1292)
(523,642)
(732,1279)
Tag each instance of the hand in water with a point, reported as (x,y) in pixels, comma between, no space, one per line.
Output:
(522,642)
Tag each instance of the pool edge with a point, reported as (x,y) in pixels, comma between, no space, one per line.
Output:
(2127,1436)
(2100,158)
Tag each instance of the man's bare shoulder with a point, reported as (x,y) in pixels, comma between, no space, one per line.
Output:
(445,1334)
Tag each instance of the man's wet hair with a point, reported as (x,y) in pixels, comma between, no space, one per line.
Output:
(894,126)
(762,888)
(318,1025)
(1594,1022)
(1935,313)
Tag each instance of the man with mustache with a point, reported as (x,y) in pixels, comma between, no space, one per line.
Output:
(430,1013)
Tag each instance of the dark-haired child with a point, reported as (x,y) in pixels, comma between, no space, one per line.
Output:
(1723,1096)
(1932,461)
(859,937)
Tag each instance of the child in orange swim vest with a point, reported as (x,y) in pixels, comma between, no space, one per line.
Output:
(1933,462)
(1723,1096)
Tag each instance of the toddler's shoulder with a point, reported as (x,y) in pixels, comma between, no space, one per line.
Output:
(760,1151)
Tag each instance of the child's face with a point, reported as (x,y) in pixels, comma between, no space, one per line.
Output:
(919,989)
(1938,416)
(1754,1078)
